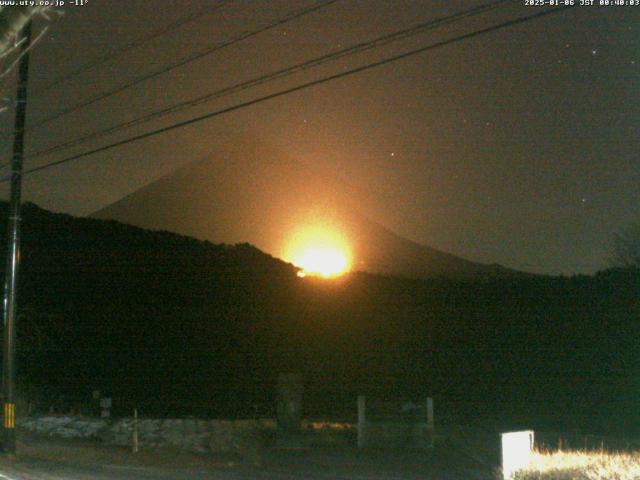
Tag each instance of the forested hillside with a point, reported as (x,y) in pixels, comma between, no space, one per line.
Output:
(177,326)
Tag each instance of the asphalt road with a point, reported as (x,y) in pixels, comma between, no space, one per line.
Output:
(277,465)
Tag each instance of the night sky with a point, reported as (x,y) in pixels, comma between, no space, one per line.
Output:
(517,147)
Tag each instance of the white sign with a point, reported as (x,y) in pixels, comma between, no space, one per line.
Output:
(516,452)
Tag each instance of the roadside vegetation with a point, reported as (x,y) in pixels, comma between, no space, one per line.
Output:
(582,465)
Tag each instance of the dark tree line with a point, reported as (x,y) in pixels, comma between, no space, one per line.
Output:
(175,326)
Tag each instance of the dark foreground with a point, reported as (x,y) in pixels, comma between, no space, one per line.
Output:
(41,460)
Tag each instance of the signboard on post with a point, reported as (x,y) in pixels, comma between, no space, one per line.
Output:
(517,448)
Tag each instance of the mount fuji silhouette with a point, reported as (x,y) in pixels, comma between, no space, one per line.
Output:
(251,194)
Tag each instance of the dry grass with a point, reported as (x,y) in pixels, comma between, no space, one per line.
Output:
(582,465)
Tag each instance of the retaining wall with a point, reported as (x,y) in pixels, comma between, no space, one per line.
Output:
(201,436)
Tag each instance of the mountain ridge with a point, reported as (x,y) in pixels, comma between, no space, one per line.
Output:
(253,195)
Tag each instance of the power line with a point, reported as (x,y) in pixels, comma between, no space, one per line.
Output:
(303,86)
(282,73)
(4,74)
(184,61)
(191,17)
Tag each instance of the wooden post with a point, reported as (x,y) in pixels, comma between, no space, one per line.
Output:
(135,431)
(362,420)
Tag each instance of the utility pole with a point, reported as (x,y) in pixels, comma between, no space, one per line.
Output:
(13,254)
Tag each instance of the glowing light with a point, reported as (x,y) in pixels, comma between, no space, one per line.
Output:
(319,251)
(324,262)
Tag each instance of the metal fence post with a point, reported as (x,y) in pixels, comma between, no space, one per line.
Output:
(134,436)
(362,420)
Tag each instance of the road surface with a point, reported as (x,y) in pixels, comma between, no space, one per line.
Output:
(276,465)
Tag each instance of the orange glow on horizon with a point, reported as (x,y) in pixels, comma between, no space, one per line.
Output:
(319,251)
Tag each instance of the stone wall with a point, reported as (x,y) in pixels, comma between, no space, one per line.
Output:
(194,435)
